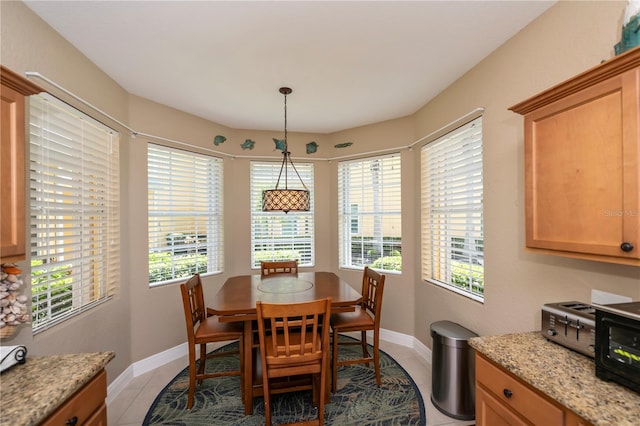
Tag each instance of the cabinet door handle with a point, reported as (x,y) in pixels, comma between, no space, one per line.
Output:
(72,421)
(507,393)
(626,247)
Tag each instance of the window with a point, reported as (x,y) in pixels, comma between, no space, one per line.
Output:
(185,214)
(277,235)
(452,223)
(74,211)
(369,213)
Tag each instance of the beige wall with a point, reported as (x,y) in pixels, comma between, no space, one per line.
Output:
(28,44)
(143,321)
(568,39)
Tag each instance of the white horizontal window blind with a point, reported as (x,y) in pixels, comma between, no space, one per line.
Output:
(370,213)
(452,211)
(185,214)
(74,217)
(277,235)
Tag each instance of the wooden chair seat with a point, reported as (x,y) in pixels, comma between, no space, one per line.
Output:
(352,321)
(212,328)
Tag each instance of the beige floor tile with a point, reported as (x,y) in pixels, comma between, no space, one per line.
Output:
(121,404)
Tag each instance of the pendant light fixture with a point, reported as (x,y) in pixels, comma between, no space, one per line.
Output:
(286,200)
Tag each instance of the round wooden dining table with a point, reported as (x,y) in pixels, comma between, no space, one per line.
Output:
(236,301)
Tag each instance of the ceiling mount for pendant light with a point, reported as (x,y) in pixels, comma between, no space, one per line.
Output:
(286,200)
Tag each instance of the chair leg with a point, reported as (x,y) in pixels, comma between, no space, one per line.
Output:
(203,361)
(334,363)
(241,358)
(321,397)
(267,407)
(192,377)
(363,343)
(376,356)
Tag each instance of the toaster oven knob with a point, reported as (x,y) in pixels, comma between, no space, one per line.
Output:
(551,332)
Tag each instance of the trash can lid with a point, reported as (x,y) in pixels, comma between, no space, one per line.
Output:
(451,334)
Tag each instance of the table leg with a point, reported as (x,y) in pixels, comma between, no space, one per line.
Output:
(247,388)
(327,385)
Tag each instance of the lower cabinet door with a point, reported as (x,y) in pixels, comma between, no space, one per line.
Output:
(99,418)
(82,405)
(492,412)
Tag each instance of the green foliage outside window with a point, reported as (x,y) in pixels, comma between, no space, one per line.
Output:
(52,291)
(165,266)
(276,255)
(388,263)
(468,277)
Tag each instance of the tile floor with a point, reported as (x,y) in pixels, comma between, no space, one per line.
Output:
(131,405)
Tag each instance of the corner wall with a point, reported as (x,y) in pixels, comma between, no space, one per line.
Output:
(566,40)
(29,44)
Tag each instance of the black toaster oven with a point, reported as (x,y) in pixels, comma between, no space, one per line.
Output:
(618,343)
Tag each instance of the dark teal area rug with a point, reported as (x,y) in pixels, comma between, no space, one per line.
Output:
(358,400)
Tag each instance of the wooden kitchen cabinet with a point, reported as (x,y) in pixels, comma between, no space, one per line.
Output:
(582,178)
(12,164)
(86,407)
(504,400)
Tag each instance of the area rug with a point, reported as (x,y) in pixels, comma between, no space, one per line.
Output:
(358,400)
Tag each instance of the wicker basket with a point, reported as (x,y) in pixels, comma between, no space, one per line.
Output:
(8,331)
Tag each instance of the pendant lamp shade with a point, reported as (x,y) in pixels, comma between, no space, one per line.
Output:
(286,200)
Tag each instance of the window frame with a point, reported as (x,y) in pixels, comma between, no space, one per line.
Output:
(74,189)
(455,253)
(350,187)
(186,228)
(298,243)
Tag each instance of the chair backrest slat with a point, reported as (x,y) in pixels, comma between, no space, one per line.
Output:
(372,289)
(279,267)
(193,300)
(297,330)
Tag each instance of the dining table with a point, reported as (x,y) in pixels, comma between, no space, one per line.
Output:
(236,301)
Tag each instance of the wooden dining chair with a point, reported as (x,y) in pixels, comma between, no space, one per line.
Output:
(203,329)
(366,317)
(279,267)
(294,341)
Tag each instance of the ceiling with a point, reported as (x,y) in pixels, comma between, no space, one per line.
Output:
(349,63)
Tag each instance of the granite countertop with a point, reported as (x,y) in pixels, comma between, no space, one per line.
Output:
(562,374)
(33,390)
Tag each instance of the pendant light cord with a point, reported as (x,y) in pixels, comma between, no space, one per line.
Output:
(287,155)
(286,143)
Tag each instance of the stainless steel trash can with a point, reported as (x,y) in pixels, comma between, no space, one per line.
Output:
(453,370)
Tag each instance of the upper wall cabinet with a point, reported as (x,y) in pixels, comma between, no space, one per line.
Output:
(12,164)
(582,179)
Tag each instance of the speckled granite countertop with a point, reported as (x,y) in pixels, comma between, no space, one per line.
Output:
(31,391)
(564,375)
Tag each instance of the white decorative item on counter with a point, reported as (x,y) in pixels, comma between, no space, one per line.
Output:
(14,308)
(12,355)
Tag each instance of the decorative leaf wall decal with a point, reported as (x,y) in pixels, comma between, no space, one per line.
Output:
(343,145)
(218,140)
(248,144)
(312,147)
(280,144)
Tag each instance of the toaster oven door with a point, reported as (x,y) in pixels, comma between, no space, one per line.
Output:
(618,349)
